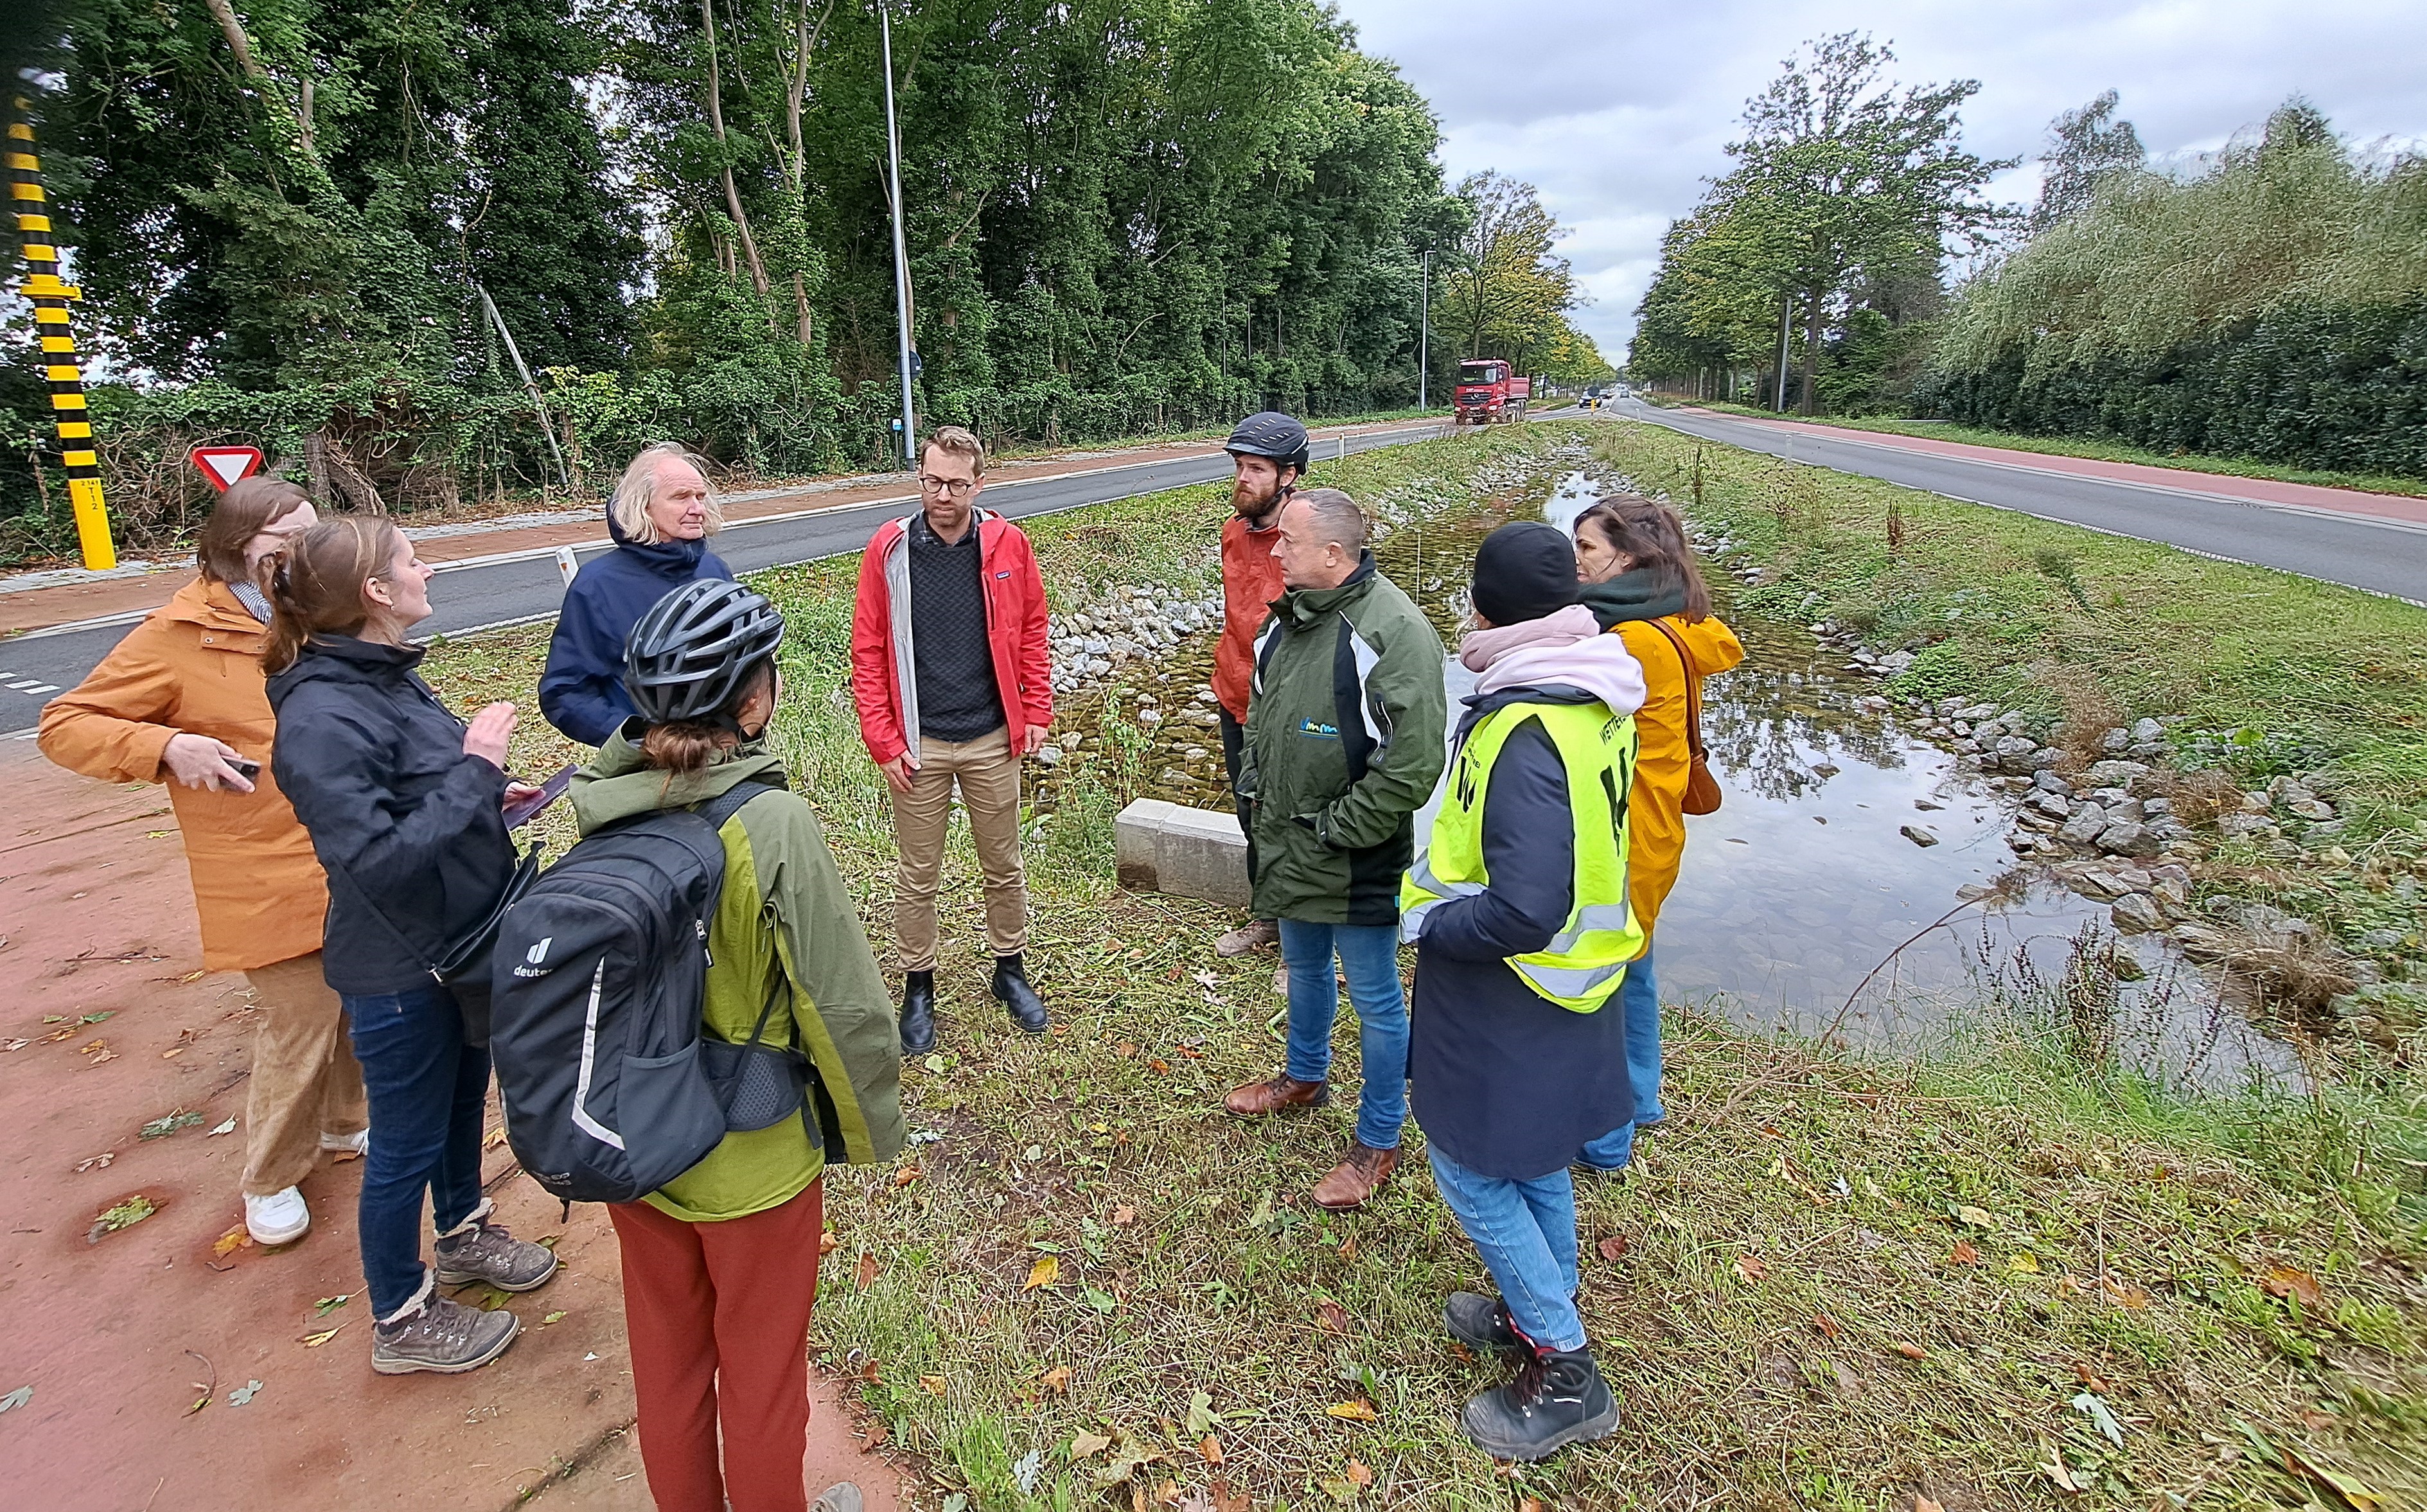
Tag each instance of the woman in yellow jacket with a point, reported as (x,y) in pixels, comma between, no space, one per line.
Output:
(181,701)
(1641,584)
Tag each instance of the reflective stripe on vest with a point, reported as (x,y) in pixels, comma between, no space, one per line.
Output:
(1586,961)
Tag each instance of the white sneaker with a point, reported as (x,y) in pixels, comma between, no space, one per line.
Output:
(357,1143)
(280,1218)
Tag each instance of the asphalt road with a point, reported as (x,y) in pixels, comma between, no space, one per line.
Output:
(478,594)
(2382,557)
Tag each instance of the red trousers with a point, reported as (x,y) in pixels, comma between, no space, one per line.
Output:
(719,1318)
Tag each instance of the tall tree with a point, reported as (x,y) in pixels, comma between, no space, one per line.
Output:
(2085,147)
(1508,290)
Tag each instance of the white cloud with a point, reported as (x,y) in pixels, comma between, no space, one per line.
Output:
(1617,112)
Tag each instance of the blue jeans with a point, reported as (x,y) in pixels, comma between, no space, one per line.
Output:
(1638,998)
(427,1089)
(1527,1233)
(1369,955)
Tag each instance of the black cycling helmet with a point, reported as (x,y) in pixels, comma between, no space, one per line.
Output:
(693,652)
(1270,434)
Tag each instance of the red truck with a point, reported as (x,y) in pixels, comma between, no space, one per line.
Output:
(1488,391)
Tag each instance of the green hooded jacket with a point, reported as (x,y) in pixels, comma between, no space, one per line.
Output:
(1347,734)
(785,917)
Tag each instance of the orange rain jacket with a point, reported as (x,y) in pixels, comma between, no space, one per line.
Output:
(1656,810)
(194,668)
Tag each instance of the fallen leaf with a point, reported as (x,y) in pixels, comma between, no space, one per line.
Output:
(868,1371)
(315,1340)
(97,1162)
(2089,1378)
(2124,1293)
(557,1316)
(172,1053)
(2024,1262)
(1101,1301)
(1124,1215)
(1210,1450)
(244,1394)
(1057,1379)
(328,1304)
(1912,1351)
(2283,1281)
(1160,1064)
(1975,1217)
(1613,1248)
(2101,1416)
(1088,1444)
(1348,1247)
(228,1243)
(1359,1473)
(16,1399)
(1332,1317)
(933,1385)
(96,1058)
(1044,1272)
(227,1128)
(1965,1253)
(878,1431)
(2355,1492)
(494,1138)
(827,1242)
(868,1269)
(1359,1411)
(906,1175)
(1750,1269)
(1827,1324)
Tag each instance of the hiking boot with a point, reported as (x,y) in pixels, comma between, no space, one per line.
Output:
(1482,1323)
(1558,1399)
(1257,1099)
(1256,935)
(442,1336)
(479,1251)
(280,1218)
(918,1012)
(1011,985)
(1355,1178)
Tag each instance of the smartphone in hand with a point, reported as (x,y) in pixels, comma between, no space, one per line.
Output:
(520,814)
(245,767)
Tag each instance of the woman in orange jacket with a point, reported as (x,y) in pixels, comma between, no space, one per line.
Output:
(181,701)
(1641,584)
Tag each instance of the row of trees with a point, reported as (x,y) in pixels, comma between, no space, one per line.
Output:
(1121,216)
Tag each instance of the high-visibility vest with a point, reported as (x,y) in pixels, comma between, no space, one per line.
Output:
(1586,960)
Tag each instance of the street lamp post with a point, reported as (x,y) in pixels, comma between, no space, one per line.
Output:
(900,258)
(1424,336)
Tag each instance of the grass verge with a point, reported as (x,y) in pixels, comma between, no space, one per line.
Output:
(2096,449)
(1828,1283)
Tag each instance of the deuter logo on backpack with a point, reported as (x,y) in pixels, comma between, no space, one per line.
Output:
(532,957)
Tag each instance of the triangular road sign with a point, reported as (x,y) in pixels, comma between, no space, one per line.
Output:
(225,466)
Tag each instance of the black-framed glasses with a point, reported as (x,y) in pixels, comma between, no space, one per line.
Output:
(958,487)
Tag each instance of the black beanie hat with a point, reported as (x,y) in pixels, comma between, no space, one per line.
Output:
(1524,571)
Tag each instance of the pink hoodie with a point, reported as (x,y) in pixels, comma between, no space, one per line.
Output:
(1562,649)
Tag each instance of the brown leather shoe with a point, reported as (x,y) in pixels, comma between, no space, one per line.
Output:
(1355,1178)
(1258,1098)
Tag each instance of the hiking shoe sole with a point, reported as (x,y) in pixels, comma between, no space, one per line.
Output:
(1598,1427)
(392,1366)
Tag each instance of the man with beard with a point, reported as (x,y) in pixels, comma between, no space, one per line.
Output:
(1268,453)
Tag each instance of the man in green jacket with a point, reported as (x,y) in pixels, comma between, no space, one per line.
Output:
(1345,741)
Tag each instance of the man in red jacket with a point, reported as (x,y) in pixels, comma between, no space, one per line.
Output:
(950,670)
(1267,458)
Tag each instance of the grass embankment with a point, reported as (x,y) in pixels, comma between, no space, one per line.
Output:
(1830,1284)
(2094,448)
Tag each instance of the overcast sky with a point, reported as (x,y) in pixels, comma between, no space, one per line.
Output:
(1617,111)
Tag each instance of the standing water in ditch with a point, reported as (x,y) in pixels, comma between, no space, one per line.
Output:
(1856,883)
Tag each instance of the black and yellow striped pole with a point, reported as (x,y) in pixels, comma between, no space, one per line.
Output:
(50,297)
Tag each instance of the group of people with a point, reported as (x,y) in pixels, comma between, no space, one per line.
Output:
(344,830)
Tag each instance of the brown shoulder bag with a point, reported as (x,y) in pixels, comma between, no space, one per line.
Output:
(1701,789)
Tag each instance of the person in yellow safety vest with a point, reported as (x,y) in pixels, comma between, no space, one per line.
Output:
(1518,909)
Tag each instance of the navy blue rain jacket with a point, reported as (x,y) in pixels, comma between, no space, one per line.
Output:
(1506,1082)
(581,693)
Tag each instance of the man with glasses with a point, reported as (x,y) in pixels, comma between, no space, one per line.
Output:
(950,670)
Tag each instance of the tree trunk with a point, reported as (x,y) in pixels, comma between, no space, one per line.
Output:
(1808,401)
(716,123)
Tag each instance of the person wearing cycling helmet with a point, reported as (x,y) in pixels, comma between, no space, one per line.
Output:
(1267,458)
(720,1264)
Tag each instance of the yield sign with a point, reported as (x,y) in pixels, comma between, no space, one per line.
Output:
(224,465)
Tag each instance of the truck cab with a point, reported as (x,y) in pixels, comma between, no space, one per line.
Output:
(1488,392)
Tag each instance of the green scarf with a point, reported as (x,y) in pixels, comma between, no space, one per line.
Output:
(1633,595)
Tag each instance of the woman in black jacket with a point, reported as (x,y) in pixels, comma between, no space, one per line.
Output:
(403,803)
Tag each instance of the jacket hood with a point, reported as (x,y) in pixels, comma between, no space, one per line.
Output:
(213,606)
(344,659)
(677,561)
(619,783)
(1562,650)
(1302,606)
(1632,595)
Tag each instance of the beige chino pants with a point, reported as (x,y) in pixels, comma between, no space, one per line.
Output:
(305,1080)
(987,776)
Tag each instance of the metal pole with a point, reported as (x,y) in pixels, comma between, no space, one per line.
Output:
(547,425)
(1423,338)
(49,296)
(1786,318)
(900,258)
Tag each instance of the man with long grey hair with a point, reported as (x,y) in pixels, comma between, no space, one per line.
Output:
(660,518)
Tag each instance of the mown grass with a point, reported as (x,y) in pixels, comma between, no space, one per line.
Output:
(1830,1283)
(2097,449)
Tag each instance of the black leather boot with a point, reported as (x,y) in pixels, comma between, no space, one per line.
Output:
(1558,1398)
(1011,985)
(918,1012)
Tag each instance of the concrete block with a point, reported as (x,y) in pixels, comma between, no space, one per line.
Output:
(1190,853)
